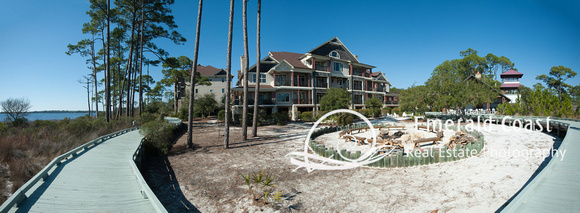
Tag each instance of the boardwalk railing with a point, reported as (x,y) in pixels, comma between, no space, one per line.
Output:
(20,195)
(555,187)
(145,190)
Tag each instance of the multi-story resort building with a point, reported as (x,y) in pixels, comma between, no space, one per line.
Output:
(510,85)
(295,82)
(217,78)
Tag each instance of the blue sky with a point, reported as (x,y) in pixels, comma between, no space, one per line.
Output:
(404,39)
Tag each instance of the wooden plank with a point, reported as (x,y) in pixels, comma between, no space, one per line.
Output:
(99,180)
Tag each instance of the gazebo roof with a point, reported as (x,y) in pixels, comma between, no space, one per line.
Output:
(512,73)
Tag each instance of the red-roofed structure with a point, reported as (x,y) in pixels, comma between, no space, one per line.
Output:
(512,73)
(511,84)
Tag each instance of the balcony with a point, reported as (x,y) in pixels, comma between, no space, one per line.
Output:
(322,68)
(251,102)
(302,101)
(321,85)
(379,90)
(303,83)
(283,83)
(392,102)
(357,87)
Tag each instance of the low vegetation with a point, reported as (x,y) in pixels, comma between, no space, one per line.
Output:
(27,147)
(261,187)
(160,136)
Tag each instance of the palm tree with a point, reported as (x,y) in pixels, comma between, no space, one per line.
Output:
(192,81)
(245,70)
(257,88)
(229,76)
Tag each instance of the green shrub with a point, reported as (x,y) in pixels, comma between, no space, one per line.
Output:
(183,113)
(307,116)
(387,110)
(147,117)
(222,115)
(159,136)
(376,112)
(319,114)
(281,118)
(397,111)
(365,112)
(345,119)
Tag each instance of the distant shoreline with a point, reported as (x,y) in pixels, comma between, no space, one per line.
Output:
(58,111)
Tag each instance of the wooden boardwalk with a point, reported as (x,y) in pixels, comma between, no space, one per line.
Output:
(101,179)
(556,188)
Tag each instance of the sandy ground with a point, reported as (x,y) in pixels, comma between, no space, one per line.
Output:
(208,179)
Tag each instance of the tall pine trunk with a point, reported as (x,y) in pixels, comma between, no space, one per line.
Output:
(141,59)
(245,70)
(229,76)
(192,80)
(130,62)
(121,78)
(94,60)
(257,88)
(108,77)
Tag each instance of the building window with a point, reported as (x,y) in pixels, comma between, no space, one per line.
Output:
(319,65)
(283,97)
(223,90)
(337,66)
(223,79)
(281,80)
(196,91)
(262,78)
(334,54)
(211,90)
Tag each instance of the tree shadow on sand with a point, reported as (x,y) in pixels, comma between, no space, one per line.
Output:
(160,176)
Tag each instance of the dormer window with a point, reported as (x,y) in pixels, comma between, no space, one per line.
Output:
(334,54)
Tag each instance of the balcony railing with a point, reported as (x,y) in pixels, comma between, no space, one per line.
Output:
(251,102)
(379,90)
(392,102)
(357,87)
(299,83)
(322,85)
(289,83)
(321,68)
(301,101)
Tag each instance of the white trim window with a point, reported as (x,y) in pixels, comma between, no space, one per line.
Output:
(337,66)
(334,54)
(262,78)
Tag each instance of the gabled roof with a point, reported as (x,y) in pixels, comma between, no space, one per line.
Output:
(290,57)
(334,44)
(512,72)
(495,90)
(207,70)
